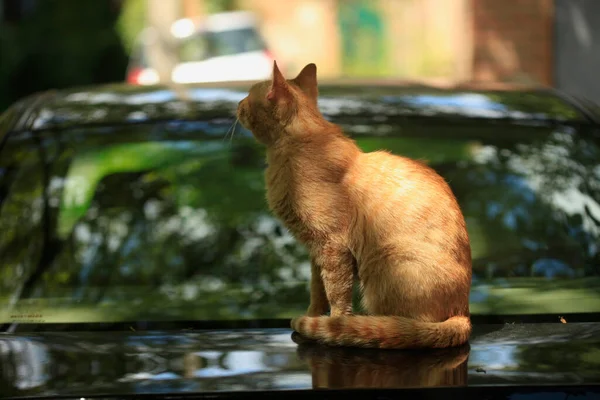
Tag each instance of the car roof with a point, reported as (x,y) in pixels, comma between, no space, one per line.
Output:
(129,104)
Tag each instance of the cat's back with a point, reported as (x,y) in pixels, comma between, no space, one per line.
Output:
(398,188)
(387,171)
(406,203)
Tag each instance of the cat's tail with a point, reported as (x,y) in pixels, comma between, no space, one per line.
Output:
(384,332)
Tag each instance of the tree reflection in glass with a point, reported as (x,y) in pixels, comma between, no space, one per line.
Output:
(109,224)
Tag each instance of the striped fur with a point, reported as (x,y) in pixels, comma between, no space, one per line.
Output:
(386,222)
(384,332)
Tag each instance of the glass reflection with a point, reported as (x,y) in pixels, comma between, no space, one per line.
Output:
(171,222)
(116,104)
(348,368)
(129,362)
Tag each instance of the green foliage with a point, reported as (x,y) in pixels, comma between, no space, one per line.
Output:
(216,6)
(364,50)
(131,22)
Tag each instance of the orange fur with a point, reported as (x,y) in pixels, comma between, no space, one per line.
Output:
(390,222)
(345,368)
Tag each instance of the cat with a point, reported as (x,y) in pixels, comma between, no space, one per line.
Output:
(389,222)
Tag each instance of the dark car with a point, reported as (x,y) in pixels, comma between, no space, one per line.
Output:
(138,257)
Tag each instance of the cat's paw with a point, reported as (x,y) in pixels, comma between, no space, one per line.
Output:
(301,340)
(294,323)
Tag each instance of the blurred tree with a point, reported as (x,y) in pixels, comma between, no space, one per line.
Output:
(215,6)
(131,22)
(363,39)
(194,8)
(60,44)
(161,50)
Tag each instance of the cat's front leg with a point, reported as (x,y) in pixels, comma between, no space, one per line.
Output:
(319,305)
(337,273)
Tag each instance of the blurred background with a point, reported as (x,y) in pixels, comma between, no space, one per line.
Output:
(129,203)
(48,44)
(141,190)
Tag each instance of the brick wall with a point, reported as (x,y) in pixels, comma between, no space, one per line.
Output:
(512,41)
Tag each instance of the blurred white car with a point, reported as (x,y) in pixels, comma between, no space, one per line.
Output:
(220,47)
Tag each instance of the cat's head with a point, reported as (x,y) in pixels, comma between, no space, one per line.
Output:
(273,105)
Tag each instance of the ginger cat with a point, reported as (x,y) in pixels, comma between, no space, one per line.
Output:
(389,222)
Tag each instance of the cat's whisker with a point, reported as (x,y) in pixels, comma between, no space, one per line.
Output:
(229,129)
(233,130)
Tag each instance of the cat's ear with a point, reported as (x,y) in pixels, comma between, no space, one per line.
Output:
(307,81)
(279,86)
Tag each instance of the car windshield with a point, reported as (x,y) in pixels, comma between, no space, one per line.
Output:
(167,221)
(220,43)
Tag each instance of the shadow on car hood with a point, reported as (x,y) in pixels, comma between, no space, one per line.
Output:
(85,363)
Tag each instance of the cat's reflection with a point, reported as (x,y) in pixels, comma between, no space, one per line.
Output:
(340,368)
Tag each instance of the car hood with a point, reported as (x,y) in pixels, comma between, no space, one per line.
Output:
(111,363)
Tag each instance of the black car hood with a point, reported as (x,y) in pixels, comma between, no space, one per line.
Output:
(110,363)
